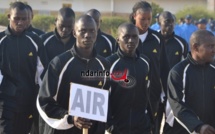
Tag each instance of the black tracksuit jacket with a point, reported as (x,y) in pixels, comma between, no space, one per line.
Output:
(153,48)
(191,91)
(176,49)
(128,101)
(105,44)
(22,60)
(54,46)
(53,99)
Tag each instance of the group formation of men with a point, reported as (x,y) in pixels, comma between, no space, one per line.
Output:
(168,76)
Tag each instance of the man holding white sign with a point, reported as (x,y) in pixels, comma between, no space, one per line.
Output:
(54,95)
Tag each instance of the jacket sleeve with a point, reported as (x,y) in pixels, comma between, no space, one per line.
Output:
(176,97)
(47,105)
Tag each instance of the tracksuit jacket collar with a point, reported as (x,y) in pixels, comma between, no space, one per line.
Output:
(58,36)
(121,54)
(76,55)
(194,62)
(9,32)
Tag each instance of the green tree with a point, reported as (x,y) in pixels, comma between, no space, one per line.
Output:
(155,9)
(197,12)
(4,20)
(43,22)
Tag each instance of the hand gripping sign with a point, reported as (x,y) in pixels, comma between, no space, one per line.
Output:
(88,102)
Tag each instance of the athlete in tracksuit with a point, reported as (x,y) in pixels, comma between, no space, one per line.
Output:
(21,59)
(105,44)
(128,103)
(53,44)
(54,94)
(152,48)
(191,89)
(176,51)
(129,96)
(53,100)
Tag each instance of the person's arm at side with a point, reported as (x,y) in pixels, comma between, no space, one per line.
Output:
(54,115)
(182,112)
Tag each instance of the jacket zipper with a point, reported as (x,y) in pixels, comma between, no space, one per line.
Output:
(203,91)
(134,95)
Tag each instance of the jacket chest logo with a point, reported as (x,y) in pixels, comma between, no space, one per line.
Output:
(155,51)
(104,51)
(176,53)
(100,83)
(30,54)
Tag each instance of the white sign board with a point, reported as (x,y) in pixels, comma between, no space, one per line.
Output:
(88,102)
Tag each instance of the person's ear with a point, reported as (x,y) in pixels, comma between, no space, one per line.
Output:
(55,21)
(74,33)
(195,47)
(117,39)
(8,16)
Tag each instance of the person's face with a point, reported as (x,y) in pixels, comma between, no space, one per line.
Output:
(143,20)
(188,21)
(64,26)
(128,40)
(206,51)
(85,34)
(201,26)
(167,25)
(18,20)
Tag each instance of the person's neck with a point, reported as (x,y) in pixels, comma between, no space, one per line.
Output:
(165,36)
(65,40)
(85,52)
(198,60)
(141,31)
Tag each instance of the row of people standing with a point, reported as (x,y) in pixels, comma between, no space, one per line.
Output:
(136,109)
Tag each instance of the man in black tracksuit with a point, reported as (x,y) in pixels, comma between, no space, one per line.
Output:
(29,27)
(21,58)
(53,99)
(105,44)
(191,88)
(129,96)
(61,39)
(176,50)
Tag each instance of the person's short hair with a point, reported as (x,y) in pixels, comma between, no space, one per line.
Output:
(93,11)
(29,8)
(199,37)
(188,16)
(143,5)
(66,12)
(202,21)
(17,4)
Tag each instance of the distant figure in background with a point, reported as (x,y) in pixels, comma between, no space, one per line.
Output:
(156,26)
(61,39)
(188,28)
(202,24)
(105,44)
(209,22)
(29,26)
(212,27)
(181,21)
